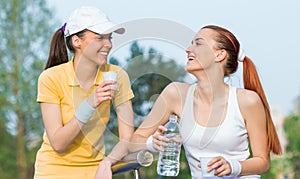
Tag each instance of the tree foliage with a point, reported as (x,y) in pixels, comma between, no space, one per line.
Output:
(25,35)
(292,130)
(7,156)
(150,72)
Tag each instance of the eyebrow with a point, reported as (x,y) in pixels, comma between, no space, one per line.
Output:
(197,39)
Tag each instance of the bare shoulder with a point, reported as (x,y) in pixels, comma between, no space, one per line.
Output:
(175,89)
(174,95)
(248,98)
(250,104)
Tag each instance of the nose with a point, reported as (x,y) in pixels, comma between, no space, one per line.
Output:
(188,49)
(108,43)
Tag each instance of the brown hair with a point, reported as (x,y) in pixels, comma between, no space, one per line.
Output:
(227,41)
(58,53)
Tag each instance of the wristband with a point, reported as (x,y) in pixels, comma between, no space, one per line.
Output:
(150,144)
(236,167)
(84,112)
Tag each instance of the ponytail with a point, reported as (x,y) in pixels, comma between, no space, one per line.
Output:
(58,51)
(252,82)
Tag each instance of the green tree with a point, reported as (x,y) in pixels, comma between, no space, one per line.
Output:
(292,130)
(25,36)
(7,147)
(150,72)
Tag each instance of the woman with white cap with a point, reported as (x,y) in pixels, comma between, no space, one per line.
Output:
(75,100)
(217,120)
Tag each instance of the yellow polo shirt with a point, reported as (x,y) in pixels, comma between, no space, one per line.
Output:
(59,85)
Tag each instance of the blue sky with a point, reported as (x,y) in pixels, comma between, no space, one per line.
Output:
(268,30)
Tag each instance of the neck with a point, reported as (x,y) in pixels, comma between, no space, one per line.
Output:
(210,89)
(85,71)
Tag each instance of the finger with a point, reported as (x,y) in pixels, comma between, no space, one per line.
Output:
(158,147)
(162,129)
(215,164)
(102,98)
(105,86)
(157,134)
(213,161)
(160,137)
(108,82)
(222,171)
(223,168)
(108,88)
(160,142)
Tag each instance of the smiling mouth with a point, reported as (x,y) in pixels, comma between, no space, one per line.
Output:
(103,53)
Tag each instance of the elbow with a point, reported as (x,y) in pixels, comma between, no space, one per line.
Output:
(58,148)
(265,167)
(59,151)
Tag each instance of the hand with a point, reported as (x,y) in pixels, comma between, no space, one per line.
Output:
(159,141)
(221,165)
(104,170)
(104,92)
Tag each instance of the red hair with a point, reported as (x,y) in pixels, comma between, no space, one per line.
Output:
(227,41)
(252,82)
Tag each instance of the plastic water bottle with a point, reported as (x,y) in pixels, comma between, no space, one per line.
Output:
(168,163)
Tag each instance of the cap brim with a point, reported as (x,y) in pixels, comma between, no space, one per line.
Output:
(107,28)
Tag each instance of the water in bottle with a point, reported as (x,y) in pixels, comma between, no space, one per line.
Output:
(168,162)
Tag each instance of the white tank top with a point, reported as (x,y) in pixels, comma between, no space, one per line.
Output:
(229,139)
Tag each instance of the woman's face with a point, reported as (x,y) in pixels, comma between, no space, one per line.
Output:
(201,53)
(95,47)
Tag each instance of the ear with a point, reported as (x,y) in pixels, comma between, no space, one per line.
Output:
(76,41)
(221,55)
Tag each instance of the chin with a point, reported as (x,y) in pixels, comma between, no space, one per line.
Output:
(102,62)
(190,68)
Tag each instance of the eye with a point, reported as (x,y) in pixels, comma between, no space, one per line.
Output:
(103,37)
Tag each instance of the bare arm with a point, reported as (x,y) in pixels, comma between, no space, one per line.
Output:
(168,102)
(125,126)
(253,111)
(254,116)
(61,136)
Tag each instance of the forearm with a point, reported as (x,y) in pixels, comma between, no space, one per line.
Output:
(137,143)
(119,151)
(65,135)
(255,165)
(59,135)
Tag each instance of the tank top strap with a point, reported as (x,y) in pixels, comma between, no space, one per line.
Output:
(188,105)
(234,103)
(187,122)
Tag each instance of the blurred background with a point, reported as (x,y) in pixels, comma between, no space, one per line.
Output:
(268,31)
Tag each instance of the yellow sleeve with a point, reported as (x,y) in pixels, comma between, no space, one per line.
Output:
(47,89)
(125,92)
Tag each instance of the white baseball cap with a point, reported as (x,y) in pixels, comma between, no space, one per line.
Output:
(92,19)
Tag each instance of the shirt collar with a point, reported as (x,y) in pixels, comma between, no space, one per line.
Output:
(72,79)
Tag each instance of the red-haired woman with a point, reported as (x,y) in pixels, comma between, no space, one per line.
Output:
(216,119)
